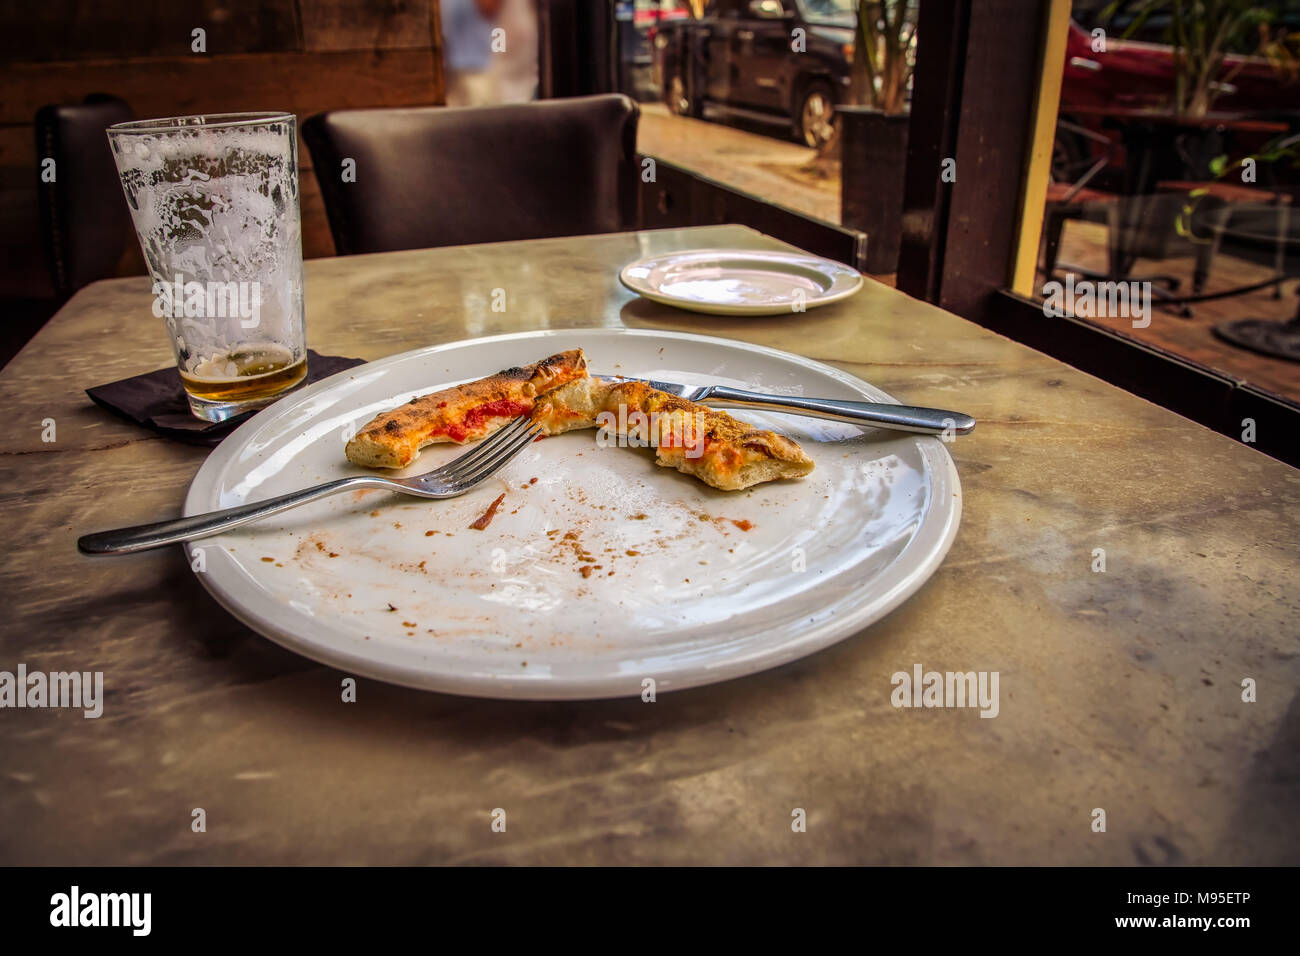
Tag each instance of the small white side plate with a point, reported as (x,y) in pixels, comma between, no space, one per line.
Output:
(740,281)
(684,585)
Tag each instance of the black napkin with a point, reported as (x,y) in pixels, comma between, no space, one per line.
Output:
(156,400)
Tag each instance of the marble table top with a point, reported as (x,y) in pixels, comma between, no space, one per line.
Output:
(1120,690)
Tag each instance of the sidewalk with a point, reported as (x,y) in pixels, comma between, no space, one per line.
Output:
(764,165)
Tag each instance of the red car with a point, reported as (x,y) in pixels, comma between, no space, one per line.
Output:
(1139,73)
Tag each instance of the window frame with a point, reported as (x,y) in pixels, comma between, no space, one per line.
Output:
(962,242)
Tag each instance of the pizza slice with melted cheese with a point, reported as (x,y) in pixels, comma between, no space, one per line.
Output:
(462,413)
(695,439)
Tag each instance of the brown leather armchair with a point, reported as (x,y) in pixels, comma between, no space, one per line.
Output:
(85,223)
(439,176)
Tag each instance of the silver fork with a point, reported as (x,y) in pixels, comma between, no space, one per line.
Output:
(454,478)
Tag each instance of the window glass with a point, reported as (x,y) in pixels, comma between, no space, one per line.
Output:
(1170,216)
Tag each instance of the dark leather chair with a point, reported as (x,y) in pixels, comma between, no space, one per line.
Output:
(85,223)
(439,176)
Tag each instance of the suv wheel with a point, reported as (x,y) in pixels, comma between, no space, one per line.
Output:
(814,119)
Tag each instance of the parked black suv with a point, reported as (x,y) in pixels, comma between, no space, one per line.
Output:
(782,60)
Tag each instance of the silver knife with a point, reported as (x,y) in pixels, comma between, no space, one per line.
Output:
(906,418)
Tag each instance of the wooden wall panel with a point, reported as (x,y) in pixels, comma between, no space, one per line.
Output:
(17,146)
(352,25)
(95,29)
(303,83)
(303,56)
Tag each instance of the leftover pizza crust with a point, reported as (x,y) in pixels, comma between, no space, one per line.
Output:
(462,413)
(697,440)
(560,396)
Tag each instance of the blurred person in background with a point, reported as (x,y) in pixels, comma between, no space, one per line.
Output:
(516,67)
(468,66)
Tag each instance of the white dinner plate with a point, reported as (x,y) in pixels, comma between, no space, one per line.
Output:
(740,281)
(683,585)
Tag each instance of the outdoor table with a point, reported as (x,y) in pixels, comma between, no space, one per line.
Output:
(1161,147)
(1120,690)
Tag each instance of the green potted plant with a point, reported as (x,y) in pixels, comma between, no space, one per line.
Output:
(1202,32)
(1203,35)
(872,136)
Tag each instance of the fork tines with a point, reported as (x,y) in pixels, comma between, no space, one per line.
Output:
(491,455)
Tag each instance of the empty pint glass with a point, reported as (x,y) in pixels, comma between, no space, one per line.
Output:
(214,200)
